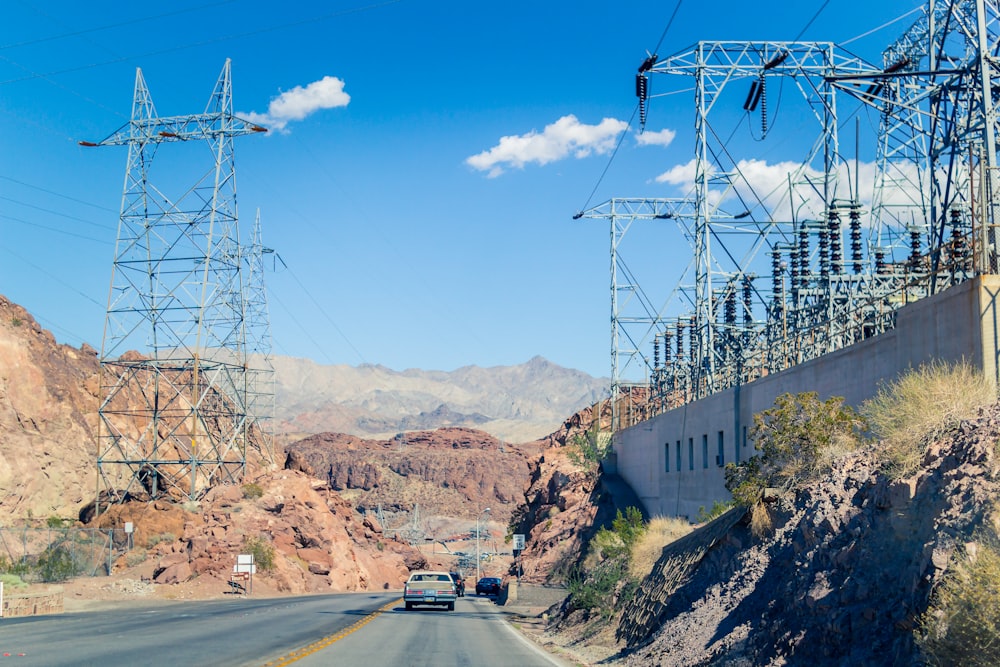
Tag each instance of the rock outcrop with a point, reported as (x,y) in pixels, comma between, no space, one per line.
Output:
(48,416)
(843,577)
(450,471)
(320,543)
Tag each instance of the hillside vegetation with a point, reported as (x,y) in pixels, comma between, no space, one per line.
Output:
(859,539)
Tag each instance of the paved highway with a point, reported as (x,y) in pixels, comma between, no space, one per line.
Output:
(474,635)
(352,629)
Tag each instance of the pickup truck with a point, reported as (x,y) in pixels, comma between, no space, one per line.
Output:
(428,587)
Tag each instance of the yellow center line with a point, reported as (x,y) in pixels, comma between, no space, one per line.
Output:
(297,655)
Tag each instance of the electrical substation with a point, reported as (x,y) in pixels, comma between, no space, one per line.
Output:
(892,200)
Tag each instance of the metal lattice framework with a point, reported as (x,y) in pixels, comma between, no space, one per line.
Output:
(183,311)
(843,252)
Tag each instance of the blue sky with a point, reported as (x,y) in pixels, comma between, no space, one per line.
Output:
(425,160)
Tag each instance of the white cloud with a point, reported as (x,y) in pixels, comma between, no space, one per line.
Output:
(662,138)
(764,188)
(299,102)
(564,138)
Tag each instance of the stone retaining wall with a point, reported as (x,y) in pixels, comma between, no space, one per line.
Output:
(32,604)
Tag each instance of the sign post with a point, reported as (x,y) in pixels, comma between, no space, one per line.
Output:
(518,548)
(244,568)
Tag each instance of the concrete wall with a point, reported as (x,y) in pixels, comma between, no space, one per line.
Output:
(959,323)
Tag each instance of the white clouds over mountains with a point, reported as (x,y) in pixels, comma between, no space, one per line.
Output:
(299,102)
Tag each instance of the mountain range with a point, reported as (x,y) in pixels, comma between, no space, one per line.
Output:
(513,403)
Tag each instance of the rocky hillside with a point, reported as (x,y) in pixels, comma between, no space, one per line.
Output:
(319,542)
(48,416)
(841,578)
(513,403)
(454,472)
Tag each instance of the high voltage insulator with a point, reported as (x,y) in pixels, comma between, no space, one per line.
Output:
(824,251)
(642,92)
(777,283)
(803,257)
(747,310)
(915,247)
(836,250)
(762,93)
(667,336)
(880,265)
(855,217)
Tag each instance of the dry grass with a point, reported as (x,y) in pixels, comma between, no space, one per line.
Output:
(962,624)
(660,532)
(921,403)
(760,520)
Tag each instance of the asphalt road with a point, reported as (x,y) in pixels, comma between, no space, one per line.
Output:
(353,629)
(234,632)
(474,635)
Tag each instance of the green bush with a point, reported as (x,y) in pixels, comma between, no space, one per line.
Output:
(962,624)
(12,581)
(919,404)
(153,540)
(252,491)
(796,438)
(14,567)
(263,552)
(617,542)
(135,557)
(588,449)
(719,507)
(595,589)
(56,563)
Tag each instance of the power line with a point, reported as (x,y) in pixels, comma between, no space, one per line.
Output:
(206,42)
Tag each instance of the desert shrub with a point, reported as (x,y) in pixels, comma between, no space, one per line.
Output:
(12,581)
(135,557)
(660,531)
(625,531)
(920,403)
(153,540)
(595,588)
(263,552)
(57,563)
(588,449)
(760,520)
(603,577)
(14,567)
(797,439)
(252,491)
(55,522)
(962,624)
(719,508)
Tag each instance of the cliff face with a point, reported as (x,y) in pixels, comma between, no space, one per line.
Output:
(48,418)
(455,472)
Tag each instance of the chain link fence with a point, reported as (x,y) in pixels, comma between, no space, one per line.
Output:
(55,554)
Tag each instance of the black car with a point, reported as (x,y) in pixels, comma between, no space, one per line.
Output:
(459,583)
(488,586)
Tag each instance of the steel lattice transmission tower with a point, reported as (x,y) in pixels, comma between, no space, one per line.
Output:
(176,379)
